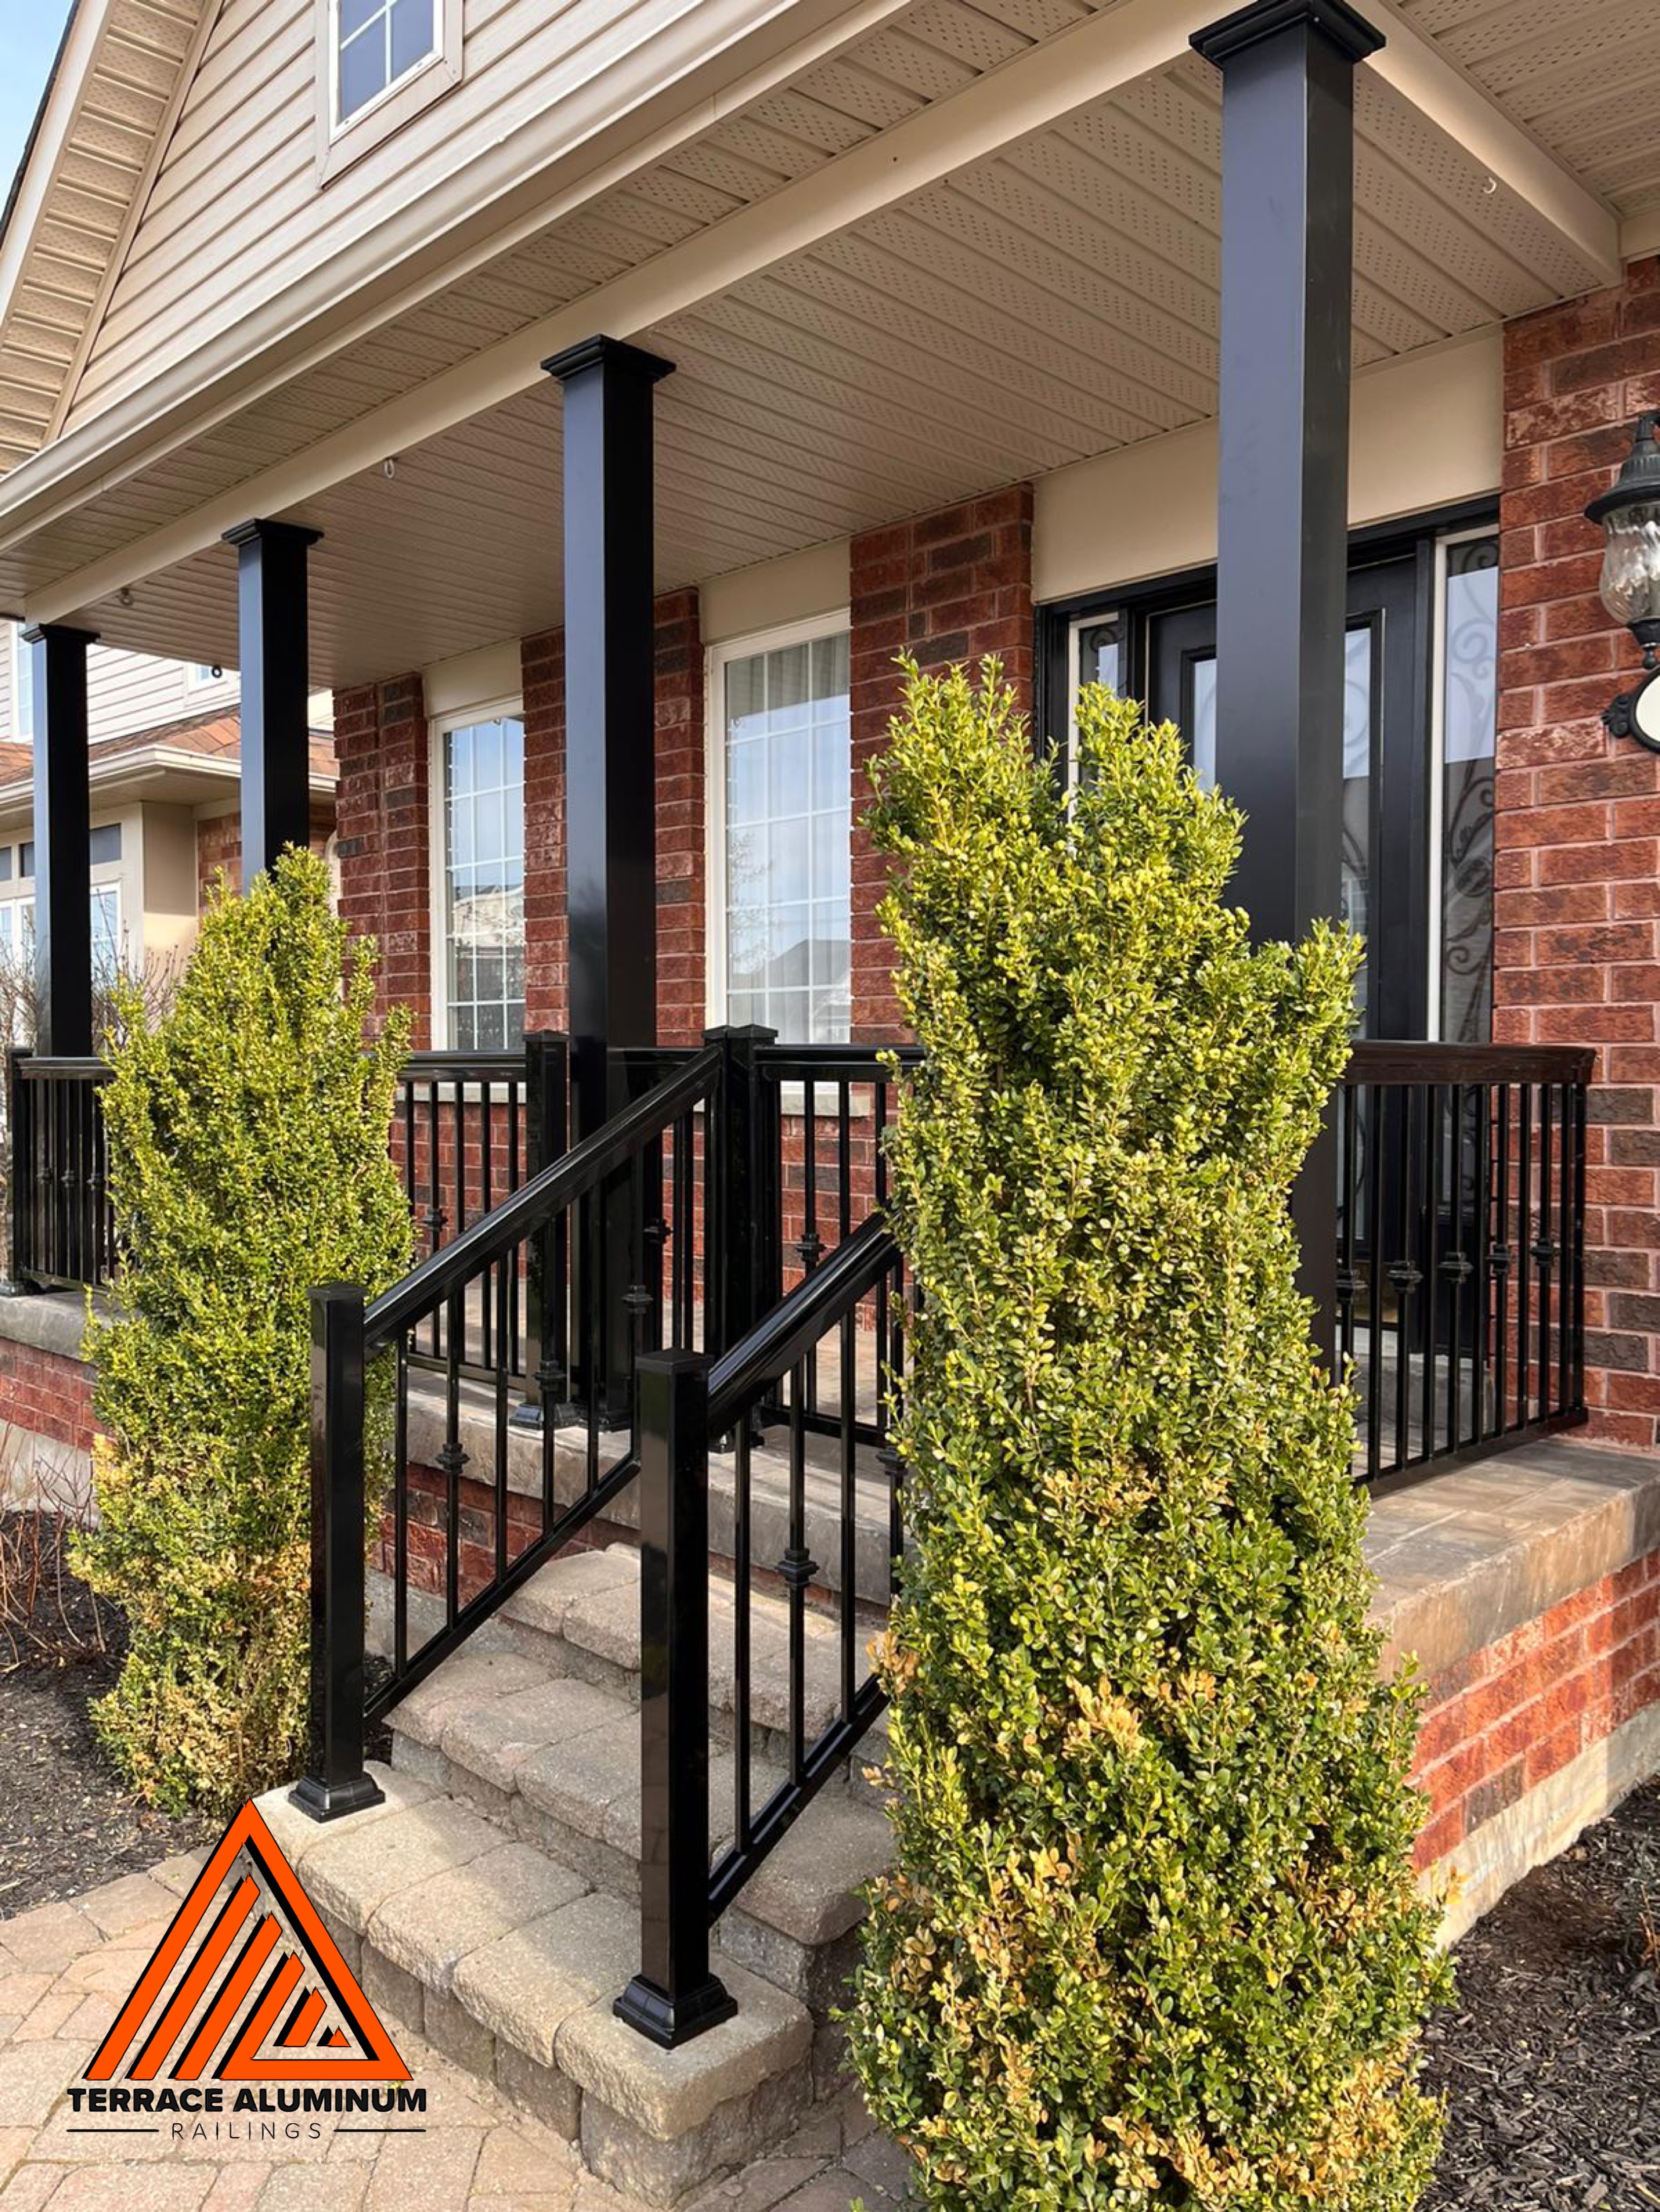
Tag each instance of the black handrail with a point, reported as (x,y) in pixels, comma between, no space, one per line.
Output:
(742,1377)
(686,1403)
(553,1191)
(608,1199)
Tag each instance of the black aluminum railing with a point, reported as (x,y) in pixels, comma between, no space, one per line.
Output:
(1460,1276)
(479,1539)
(687,1406)
(61,1226)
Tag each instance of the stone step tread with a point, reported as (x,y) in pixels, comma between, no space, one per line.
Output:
(529,1951)
(592,1601)
(570,1750)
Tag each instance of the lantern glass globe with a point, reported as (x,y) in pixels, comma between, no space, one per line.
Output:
(1631,564)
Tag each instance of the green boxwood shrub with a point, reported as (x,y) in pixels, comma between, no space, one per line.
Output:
(1151,1938)
(248,1161)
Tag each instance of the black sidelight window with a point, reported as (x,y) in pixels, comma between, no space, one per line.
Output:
(1419,717)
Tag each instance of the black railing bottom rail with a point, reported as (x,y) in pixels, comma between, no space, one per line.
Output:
(687,1405)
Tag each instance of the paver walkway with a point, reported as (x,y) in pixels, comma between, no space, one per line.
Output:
(65,1970)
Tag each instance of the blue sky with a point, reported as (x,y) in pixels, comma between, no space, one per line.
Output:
(29,32)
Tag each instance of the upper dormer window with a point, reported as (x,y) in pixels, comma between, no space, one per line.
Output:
(379,62)
(379,43)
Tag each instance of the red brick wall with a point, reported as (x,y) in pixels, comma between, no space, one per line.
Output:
(541,663)
(219,845)
(383,817)
(1577,828)
(1511,1717)
(950,587)
(45,1393)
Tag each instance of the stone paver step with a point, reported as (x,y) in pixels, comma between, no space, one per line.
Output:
(554,1759)
(509,1963)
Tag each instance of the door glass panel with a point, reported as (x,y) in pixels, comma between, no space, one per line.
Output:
(1356,891)
(1199,719)
(1098,655)
(1468,700)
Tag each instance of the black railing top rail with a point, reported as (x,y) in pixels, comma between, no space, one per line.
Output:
(453,1266)
(38,1068)
(741,1377)
(833,1063)
(419,1065)
(1402,1060)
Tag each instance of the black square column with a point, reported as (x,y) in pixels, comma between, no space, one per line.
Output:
(1287,271)
(62,860)
(275,652)
(611,835)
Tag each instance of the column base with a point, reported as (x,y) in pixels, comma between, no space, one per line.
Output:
(670,2021)
(333,1800)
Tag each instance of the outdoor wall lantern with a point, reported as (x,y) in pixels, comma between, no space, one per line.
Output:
(1629,512)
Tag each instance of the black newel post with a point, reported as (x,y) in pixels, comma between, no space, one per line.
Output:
(674,1996)
(274,647)
(335,1782)
(740,1265)
(1287,264)
(63,828)
(546,1123)
(610,846)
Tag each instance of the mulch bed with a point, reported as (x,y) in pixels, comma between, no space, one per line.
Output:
(1551,2056)
(67,1820)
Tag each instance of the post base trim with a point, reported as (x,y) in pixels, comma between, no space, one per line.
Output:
(333,1800)
(670,2021)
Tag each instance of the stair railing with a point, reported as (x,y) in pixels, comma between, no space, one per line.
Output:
(473,1542)
(686,1404)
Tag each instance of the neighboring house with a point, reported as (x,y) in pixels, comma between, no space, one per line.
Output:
(942,288)
(163,784)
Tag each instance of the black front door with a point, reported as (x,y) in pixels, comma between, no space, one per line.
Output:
(1385,741)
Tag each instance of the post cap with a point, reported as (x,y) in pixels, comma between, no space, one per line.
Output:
(599,352)
(1341,26)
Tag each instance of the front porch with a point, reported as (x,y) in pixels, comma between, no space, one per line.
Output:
(949,310)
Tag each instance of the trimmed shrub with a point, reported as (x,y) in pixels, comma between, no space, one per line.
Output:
(1151,1937)
(248,1161)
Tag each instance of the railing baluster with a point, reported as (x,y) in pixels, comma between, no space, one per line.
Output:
(452,1458)
(1544,1250)
(850,1503)
(506,1268)
(400,1507)
(741,1606)
(1524,1253)
(796,1570)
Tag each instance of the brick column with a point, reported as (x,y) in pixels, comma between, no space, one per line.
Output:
(682,906)
(383,812)
(943,588)
(1578,824)
(681,985)
(543,663)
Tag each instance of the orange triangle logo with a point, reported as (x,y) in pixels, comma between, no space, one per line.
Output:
(228,1996)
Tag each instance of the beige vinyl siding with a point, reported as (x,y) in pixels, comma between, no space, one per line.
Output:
(129,691)
(236,212)
(125,691)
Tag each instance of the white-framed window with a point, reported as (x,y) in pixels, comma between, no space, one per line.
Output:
(780,822)
(17,930)
(22,685)
(478,866)
(379,63)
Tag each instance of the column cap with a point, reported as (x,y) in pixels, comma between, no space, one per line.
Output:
(34,632)
(610,353)
(1341,26)
(256,528)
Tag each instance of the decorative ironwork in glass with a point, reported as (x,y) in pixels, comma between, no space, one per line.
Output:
(1469,711)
